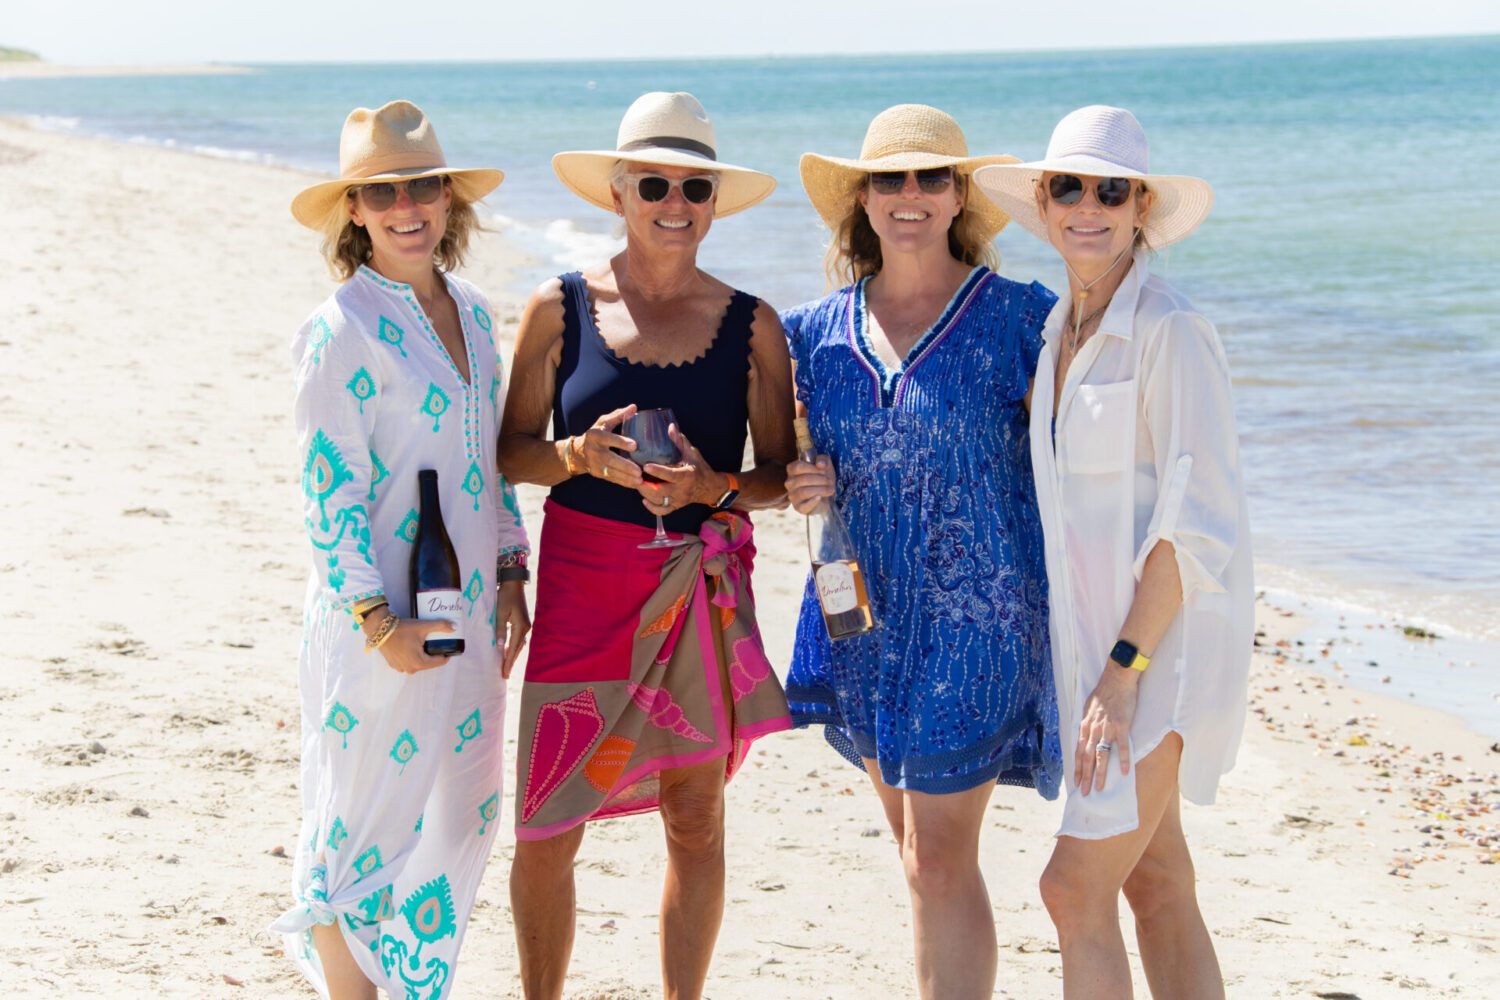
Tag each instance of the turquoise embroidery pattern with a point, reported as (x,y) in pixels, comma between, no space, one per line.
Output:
(318,338)
(468,730)
(435,405)
(407,530)
(341,721)
(368,861)
(430,916)
(508,497)
(474,591)
(482,318)
(418,827)
(374,908)
(323,473)
(495,392)
(404,749)
(474,483)
(392,334)
(337,834)
(363,387)
(488,810)
(380,474)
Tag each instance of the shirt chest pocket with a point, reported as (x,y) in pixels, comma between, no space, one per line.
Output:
(1100,428)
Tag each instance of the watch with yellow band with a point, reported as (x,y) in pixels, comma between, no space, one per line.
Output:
(1128,656)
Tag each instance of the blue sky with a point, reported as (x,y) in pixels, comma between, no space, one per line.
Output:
(158,31)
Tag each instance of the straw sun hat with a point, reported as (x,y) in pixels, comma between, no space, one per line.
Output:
(905,137)
(1100,141)
(393,143)
(666,130)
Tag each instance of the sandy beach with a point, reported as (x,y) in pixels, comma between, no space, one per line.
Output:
(151,579)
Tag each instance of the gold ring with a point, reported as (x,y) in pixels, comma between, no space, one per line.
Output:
(606,472)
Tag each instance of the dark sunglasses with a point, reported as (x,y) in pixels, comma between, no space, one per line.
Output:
(933,181)
(381,196)
(654,187)
(1067,189)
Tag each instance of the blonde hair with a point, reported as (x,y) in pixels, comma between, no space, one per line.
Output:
(346,246)
(854,251)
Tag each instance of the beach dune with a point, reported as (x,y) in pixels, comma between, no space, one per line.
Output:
(151,577)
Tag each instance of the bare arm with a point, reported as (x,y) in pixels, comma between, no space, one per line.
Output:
(525,453)
(769,401)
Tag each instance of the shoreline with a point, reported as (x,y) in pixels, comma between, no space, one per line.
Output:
(42,70)
(149,406)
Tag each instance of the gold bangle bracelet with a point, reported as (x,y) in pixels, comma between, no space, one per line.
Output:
(385,631)
(568,457)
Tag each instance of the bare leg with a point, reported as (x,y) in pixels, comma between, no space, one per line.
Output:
(543,905)
(952,922)
(342,973)
(1176,949)
(692,901)
(1082,883)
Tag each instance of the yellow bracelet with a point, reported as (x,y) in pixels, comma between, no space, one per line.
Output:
(568,457)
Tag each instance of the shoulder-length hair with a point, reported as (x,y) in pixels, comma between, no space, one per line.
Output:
(346,246)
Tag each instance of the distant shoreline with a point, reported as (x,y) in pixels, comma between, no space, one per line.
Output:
(46,70)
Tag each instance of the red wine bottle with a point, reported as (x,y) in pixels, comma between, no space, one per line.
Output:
(436,592)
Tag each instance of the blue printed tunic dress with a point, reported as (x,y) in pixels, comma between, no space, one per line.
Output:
(934,479)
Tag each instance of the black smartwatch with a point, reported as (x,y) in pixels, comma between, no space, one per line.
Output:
(730,495)
(1128,656)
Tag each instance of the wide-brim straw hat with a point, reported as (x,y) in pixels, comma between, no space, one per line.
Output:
(905,137)
(663,130)
(395,142)
(1100,141)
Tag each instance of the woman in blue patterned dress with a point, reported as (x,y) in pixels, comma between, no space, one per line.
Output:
(915,380)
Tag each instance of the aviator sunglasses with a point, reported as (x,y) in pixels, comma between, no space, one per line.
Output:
(1067,189)
(654,187)
(381,196)
(931,181)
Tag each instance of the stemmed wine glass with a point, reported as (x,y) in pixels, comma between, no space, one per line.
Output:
(653,444)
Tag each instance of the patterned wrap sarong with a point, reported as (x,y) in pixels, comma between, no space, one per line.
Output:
(624,676)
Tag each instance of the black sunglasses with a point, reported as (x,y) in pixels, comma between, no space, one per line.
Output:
(381,196)
(932,181)
(654,187)
(1067,189)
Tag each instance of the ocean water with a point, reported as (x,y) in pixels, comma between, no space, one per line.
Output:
(1351,261)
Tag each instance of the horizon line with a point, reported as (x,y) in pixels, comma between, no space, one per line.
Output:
(756,56)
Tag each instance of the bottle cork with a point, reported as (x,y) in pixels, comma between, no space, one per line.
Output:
(804,436)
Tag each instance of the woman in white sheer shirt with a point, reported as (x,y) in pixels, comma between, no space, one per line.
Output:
(1148,552)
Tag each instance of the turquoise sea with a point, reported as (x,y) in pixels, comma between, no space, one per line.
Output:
(1351,262)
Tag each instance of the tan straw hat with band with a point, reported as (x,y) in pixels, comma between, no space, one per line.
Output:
(905,137)
(393,143)
(665,130)
(1101,141)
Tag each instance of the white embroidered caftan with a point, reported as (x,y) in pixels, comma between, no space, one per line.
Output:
(1143,449)
(401,774)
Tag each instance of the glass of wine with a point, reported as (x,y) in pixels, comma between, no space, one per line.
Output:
(653,444)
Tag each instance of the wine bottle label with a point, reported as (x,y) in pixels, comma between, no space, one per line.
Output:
(442,605)
(836,591)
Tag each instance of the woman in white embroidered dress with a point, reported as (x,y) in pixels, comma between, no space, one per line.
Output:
(1148,553)
(401,751)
